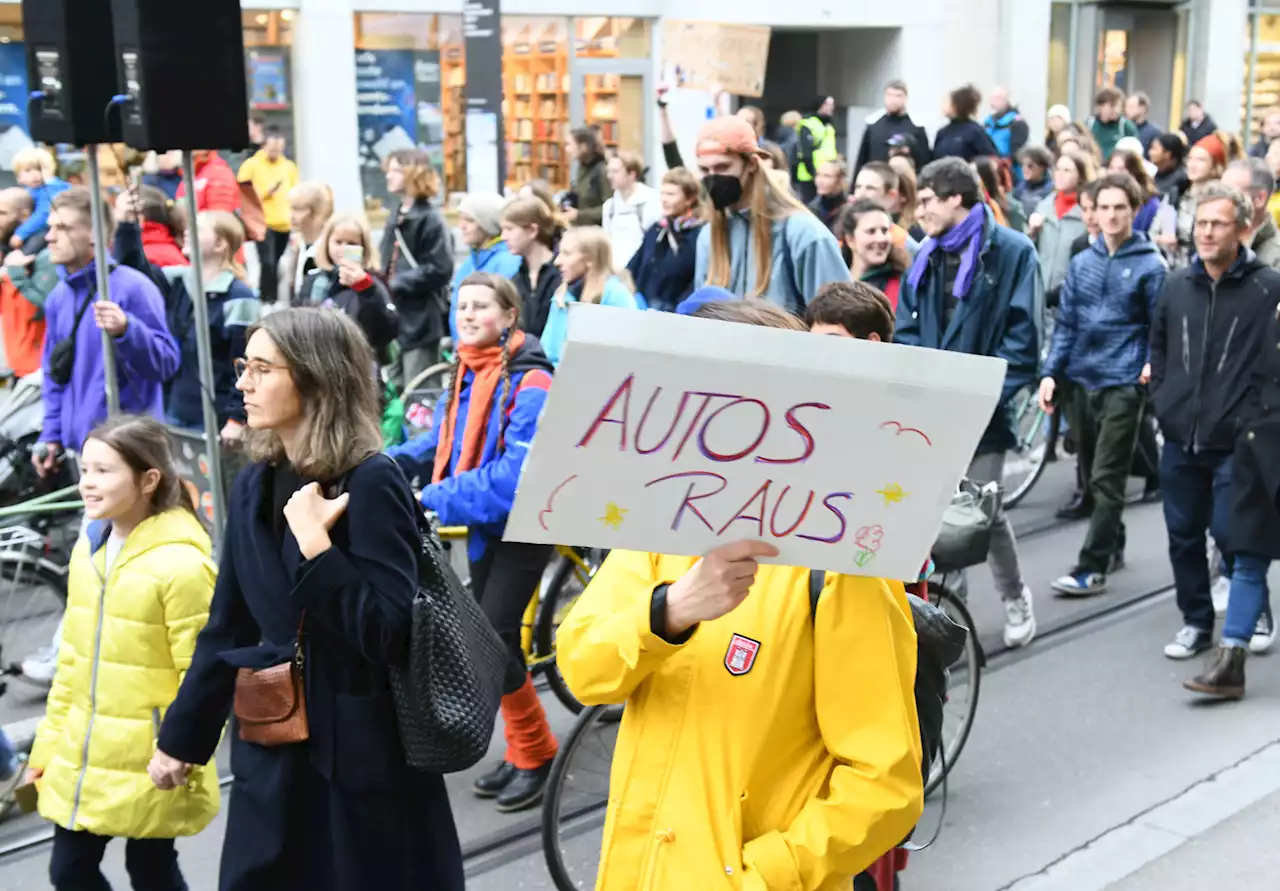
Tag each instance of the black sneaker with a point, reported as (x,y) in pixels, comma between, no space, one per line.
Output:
(491,784)
(525,789)
(1076,509)
(1223,677)
(1117,562)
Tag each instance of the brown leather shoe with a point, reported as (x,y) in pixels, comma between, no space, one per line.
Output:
(1223,677)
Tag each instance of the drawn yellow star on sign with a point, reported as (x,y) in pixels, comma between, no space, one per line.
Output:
(614,515)
(892,493)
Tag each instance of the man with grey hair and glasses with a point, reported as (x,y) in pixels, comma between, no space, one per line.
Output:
(1209,329)
(1254,179)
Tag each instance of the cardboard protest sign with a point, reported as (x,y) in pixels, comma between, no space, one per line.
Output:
(675,435)
(711,55)
(191,459)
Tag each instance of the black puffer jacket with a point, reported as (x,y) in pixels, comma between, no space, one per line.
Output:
(963,138)
(419,283)
(1205,341)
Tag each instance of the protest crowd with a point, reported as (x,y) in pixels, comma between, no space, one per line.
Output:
(1127,277)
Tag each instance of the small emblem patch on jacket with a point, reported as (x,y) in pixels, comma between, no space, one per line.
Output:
(741,655)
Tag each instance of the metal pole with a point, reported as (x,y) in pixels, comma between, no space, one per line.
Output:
(100,261)
(204,349)
(1255,35)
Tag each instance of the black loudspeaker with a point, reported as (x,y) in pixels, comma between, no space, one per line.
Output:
(184,74)
(71,70)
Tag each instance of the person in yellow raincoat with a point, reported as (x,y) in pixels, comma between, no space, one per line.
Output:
(139,591)
(762,747)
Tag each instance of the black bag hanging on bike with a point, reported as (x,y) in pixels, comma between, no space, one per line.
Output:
(62,358)
(448,690)
(965,536)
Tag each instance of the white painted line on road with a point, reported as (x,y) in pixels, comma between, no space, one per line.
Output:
(1151,835)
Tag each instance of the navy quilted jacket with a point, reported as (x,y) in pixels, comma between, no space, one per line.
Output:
(1102,338)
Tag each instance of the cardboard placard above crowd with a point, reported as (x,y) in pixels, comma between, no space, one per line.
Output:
(675,435)
(711,55)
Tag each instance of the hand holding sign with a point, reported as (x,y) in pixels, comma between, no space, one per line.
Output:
(716,585)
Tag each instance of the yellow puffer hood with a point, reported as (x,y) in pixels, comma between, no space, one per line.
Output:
(127,641)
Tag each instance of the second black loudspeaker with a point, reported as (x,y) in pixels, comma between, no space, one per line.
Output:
(184,75)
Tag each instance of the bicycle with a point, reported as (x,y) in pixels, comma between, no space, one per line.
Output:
(1037,433)
(567,576)
(423,392)
(573,818)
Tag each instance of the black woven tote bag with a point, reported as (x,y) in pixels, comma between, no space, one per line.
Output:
(448,690)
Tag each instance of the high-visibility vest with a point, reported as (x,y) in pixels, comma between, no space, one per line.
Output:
(824,147)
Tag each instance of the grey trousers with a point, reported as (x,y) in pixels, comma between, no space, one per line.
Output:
(1003,557)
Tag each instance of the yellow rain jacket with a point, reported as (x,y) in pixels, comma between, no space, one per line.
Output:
(769,751)
(127,641)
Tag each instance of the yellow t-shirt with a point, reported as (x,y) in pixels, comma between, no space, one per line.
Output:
(272,181)
(1273,205)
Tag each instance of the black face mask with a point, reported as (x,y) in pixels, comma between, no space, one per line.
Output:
(723,189)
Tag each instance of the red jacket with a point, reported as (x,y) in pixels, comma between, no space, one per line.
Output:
(216,186)
(159,246)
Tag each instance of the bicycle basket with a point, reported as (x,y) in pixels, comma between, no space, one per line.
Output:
(965,537)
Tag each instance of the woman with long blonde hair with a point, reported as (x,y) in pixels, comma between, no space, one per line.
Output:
(760,240)
(587,275)
(310,206)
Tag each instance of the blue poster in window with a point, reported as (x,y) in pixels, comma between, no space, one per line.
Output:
(386,106)
(268,80)
(15,132)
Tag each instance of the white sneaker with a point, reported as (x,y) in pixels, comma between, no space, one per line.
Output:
(1019,620)
(41,667)
(1221,592)
(1264,635)
(1188,643)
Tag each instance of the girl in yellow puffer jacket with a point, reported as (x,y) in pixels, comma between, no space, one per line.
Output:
(138,596)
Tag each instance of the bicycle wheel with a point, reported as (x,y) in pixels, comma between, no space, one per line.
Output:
(962,688)
(577,794)
(1024,463)
(567,583)
(420,397)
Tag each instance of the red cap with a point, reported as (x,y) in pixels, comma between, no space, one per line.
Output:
(1216,148)
(728,135)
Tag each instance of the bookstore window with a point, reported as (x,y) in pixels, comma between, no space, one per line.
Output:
(268,41)
(409,94)
(1262,78)
(535,81)
(611,37)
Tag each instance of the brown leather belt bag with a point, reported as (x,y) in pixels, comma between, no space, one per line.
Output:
(271,704)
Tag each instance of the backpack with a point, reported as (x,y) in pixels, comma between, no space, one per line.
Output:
(939,643)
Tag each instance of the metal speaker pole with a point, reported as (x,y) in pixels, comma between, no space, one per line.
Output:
(101,259)
(204,349)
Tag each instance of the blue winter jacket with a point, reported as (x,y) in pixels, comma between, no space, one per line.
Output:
(481,498)
(1103,334)
(495,259)
(1000,317)
(146,354)
(42,196)
(557,327)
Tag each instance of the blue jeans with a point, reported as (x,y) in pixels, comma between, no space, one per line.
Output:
(1197,488)
(1249,598)
(8,757)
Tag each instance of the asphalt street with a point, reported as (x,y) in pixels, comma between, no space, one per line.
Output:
(1080,745)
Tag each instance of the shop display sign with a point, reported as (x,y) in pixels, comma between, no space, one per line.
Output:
(482,37)
(710,56)
(268,80)
(675,435)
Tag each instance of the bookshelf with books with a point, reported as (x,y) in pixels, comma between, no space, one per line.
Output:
(535,69)
(453,103)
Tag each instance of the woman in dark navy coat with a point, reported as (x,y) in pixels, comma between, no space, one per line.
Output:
(342,811)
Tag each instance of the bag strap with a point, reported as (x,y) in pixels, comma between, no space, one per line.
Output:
(817,580)
(404,247)
(89,298)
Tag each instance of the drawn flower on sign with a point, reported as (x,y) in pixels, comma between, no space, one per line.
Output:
(869,538)
(864,557)
(614,516)
(892,493)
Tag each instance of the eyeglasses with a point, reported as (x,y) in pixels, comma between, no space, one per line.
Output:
(255,369)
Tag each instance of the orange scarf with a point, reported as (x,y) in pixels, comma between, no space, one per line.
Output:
(485,363)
